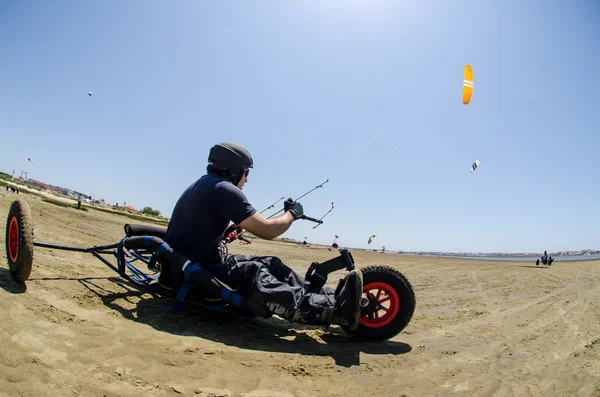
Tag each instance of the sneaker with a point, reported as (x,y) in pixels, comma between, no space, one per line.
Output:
(347,300)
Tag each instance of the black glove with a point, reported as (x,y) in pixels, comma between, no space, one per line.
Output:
(294,208)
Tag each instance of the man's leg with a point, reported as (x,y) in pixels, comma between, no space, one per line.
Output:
(268,281)
(284,273)
(282,291)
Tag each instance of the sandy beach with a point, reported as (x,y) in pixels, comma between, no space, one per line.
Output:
(480,328)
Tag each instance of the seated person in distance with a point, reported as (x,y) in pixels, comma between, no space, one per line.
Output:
(545,258)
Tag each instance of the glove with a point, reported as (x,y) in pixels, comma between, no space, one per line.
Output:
(294,208)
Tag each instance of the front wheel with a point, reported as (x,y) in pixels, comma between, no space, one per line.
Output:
(394,295)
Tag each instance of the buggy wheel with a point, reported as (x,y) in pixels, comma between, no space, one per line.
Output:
(394,294)
(19,240)
(537,262)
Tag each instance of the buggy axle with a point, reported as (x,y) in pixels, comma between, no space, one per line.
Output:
(100,249)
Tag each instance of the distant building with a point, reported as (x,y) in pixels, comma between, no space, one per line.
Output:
(39,184)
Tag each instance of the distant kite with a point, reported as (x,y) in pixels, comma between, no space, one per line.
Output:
(372,238)
(29,159)
(467,84)
(475,165)
(89,94)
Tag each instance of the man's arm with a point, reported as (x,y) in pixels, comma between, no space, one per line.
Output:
(265,228)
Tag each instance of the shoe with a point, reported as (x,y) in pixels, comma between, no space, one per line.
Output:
(347,300)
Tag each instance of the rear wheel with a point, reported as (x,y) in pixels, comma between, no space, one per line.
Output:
(19,240)
(394,300)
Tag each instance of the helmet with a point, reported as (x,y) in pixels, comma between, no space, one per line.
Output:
(229,160)
(230,156)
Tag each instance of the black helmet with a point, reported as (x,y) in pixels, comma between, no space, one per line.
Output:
(229,160)
(226,156)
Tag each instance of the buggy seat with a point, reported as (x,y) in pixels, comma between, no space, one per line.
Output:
(133,230)
(151,238)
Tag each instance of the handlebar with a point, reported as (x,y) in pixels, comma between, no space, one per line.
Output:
(308,218)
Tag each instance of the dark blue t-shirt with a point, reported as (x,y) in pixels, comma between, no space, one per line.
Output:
(202,214)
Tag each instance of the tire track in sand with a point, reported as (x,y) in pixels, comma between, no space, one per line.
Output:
(542,344)
(481,291)
(573,319)
(499,315)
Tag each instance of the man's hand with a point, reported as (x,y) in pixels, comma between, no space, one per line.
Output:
(294,208)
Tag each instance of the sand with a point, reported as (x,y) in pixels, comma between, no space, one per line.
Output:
(481,328)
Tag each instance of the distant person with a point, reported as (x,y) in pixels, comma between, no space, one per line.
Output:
(79,199)
(546,258)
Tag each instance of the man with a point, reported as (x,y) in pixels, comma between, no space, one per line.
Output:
(546,258)
(197,226)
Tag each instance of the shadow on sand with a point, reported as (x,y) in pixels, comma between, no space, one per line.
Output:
(536,267)
(273,335)
(9,284)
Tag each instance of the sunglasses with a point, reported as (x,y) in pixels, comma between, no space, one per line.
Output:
(246,173)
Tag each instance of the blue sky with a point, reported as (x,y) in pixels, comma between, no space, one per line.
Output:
(304,85)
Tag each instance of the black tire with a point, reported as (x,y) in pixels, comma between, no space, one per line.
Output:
(392,280)
(19,240)
(537,262)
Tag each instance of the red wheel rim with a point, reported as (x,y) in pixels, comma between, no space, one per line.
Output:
(13,240)
(384,295)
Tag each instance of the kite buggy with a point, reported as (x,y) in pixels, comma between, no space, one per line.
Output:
(545,259)
(387,304)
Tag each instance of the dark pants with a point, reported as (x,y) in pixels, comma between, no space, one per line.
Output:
(266,280)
